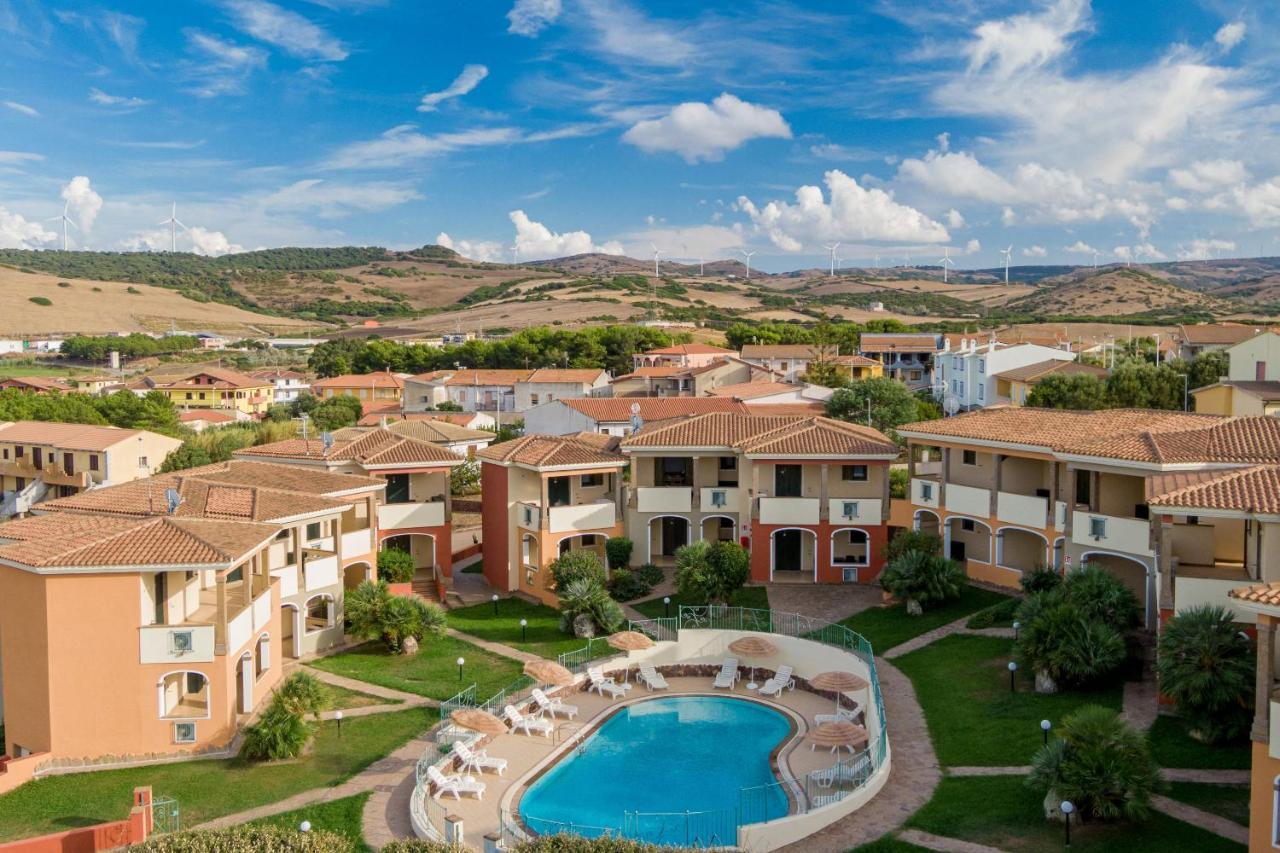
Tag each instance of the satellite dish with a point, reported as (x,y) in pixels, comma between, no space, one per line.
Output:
(326,438)
(951,405)
(635,408)
(172,499)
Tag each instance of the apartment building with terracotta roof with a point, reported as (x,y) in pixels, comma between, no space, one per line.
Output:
(1251,385)
(500,391)
(35,384)
(1195,339)
(148,620)
(692,381)
(905,356)
(808,495)
(544,496)
(791,361)
(288,384)
(680,355)
(219,388)
(370,389)
(618,415)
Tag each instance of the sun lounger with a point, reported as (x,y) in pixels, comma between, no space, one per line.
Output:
(456,785)
(479,761)
(530,725)
(552,706)
(602,683)
(782,679)
(652,678)
(842,714)
(728,675)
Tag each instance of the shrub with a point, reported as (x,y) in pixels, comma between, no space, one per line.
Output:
(626,585)
(899,483)
(1040,579)
(64,284)
(302,694)
(132,290)
(921,577)
(278,734)
(651,574)
(587,596)
(376,614)
(618,551)
(574,565)
(1099,763)
(395,566)
(711,572)
(40,300)
(1206,665)
(253,839)
(912,540)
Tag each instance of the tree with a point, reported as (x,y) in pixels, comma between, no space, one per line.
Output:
(448,406)
(920,578)
(912,540)
(1078,392)
(1206,665)
(334,413)
(395,566)
(617,550)
(711,572)
(889,402)
(464,479)
(575,565)
(1099,763)
(376,614)
(277,735)
(583,598)
(304,694)
(187,455)
(1207,368)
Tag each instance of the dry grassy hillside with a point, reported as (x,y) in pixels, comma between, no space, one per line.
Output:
(986,294)
(97,307)
(1119,291)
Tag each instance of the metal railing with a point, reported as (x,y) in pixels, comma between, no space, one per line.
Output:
(578,660)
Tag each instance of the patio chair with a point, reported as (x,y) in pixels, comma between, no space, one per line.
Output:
(548,705)
(774,686)
(652,678)
(530,725)
(478,760)
(728,675)
(456,785)
(602,683)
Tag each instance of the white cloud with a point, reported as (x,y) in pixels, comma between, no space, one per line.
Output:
(122,101)
(203,241)
(17,158)
(1230,35)
(17,232)
(220,67)
(405,143)
(330,200)
(1035,252)
(835,151)
(954,219)
(624,32)
(686,244)
(530,17)
(21,108)
(1175,202)
(535,241)
(1027,41)
(476,250)
(214,243)
(83,204)
(854,213)
(462,84)
(1205,176)
(973,247)
(1007,216)
(698,131)
(289,31)
(1203,249)
(1124,253)
(1080,247)
(1260,202)
(1150,252)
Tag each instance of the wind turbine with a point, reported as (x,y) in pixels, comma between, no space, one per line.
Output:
(515,253)
(1095,260)
(747,255)
(946,261)
(173,224)
(877,260)
(66,220)
(657,253)
(1008,254)
(832,250)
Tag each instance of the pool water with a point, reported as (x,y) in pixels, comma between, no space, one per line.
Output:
(654,761)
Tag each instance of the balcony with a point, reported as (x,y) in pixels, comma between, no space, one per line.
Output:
(357,542)
(280,557)
(1026,510)
(967,500)
(288,576)
(53,474)
(855,510)
(924,492)
(395,516)
(1130,535)
(720,499)
(319,571)
(584,517)
(789,510)
(664,499)
(172,644)
(246,624)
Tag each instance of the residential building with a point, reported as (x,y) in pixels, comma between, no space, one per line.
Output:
(1192,340)
(288,383)
(763,392)
(1261,603)
(791,361)
(201,419)
(618,415)
(470,420)
(458,439)
(680,355)
(218,388)
(542,497)
(964,378)
(905,356)
(97,385)
(551,383)
(809,496)
(172,602)
(500,391)
(369,388)
(1014,386)
(673,381)
(1252,383)
(40,460)
(35,384)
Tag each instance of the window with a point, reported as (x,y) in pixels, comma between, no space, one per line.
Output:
(314,530)
(982,391)
(533,399)
(787,480)
(1193,519)
(853,473)
(969,457)
(675,471)
(184,732)
(982,365)
(397,489)
(728,463)
(926,492)
(142,462)
(592,480)
(1082,487)
(19,451)
(1097,527)
(719,498)
(69,462)
(966,524)
(189,395)
(589,540)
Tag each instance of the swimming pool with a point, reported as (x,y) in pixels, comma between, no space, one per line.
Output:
(666,770)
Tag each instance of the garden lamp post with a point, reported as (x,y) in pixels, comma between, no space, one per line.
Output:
(1016,626)
(337,715)
(495,604)
(666,606)
(524,629)
(1067,809)
(305,826)
(1013,672)
(1045,725)
(461,661)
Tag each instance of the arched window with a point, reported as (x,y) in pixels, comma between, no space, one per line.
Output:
(320,613)
(264,655)
(183,695)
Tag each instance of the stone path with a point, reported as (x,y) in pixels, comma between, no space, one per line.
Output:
(1228,829)
(1209,777)
(831,602)
(496,648)
(956,627)
(1140,706)
(405,700)
(988,771)
(947,845)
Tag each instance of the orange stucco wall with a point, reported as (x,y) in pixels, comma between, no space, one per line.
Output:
(442,534)
(1263,774)
(24,649)
(495,526)
(761,549)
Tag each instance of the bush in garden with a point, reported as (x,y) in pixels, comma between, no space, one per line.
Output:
(1099,763)
(912,540)
(922,577)
(464,479)
(574,565)
(711,572)
(651,574)
(278,734)
(253,839)
(376,614)
(626,585)
(1040,579)
(1206,665)
(304,694)
(587,597)
(618,551)
(395,566)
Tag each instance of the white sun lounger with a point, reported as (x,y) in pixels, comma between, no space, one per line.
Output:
(479,761)
(602,683)
(782,679)
(530,725)
(842,714)
(548,705)
(728,675)
(652,678)
(456,785)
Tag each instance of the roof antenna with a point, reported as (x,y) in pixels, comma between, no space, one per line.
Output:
(636,420)
(326,439)
(172,499)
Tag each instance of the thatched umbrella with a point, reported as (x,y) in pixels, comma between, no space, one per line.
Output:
(838,735)
(478,721)
(629,641)
(839,682)
(753,646)
(548,672)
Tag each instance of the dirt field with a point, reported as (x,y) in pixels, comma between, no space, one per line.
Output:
(987,294)
(97,307)
(515,315)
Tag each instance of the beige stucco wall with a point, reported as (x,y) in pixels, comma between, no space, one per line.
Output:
(1245,355)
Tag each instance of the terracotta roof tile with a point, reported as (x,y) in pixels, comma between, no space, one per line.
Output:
(1262,593)
(70,436)
(763,434)
(688,349)
(898,342)
(365,446)
(549,451)
(586,376)
(751,390)
(1053,366)
(136,542)
(802,351)
(1217,333)
(34,383)
(1253,490)
(618,409)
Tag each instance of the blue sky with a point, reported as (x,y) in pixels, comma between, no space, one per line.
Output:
(1133,128)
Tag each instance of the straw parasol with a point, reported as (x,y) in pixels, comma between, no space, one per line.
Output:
(478,721)
(548,672)
(629,641)
(839,682)
(837,735)
(753,647)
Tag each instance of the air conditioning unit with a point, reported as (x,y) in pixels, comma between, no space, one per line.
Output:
(184,732)
(181,642)
(850,509)
(719,498)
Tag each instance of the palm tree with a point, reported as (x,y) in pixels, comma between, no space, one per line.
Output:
(1206,665)
(921,577)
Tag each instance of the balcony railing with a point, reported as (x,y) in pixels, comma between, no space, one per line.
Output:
(789,510)
(855,510)
(51,473)
(968,500)
(1027,510)
(244,626)
(664,499)
(319,571)
(393,516)
(356,542)
(924,492)
(1130,535)
(592,516)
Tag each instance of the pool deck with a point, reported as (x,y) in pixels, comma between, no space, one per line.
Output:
(525,753)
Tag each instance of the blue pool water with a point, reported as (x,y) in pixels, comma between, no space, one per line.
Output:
(653,762)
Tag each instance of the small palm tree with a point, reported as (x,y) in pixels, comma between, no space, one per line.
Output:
(921,577)
(1206,665)
(302,694)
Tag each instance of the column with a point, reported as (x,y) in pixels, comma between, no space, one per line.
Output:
(911,464)
(695,502)
(448,503)
(220,619)
(943,475)
(1069,524)
(1266,663)
(997,480)
(824,508)
(754,497)
(1164,559)
(617,494)
(1095,490)
(1055,494)
(545,522)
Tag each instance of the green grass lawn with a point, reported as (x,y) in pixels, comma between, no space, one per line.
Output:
(886,627)
(432,672)
(16,367)
(207,789)
(1229,801)
(342,699)
(749,596)
(341,817)
(963,686)
(1171,746)
(542,636)
(1001,811)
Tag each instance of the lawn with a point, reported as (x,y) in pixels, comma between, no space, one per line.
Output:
(974,720)
(1171,746)
(432,672)
(1001,811)
(886,627)
(342,699)
(1229,801)
(341,817)
(749,596)
(542,636)
(207,789)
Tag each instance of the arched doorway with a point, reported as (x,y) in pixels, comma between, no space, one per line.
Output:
(290,630)
(1020,549)
(1137,577)
(793,554)
(719,528)
(420,546)
(966,539)
(244,684)
(183,695)
(356,574)
(850,547)
(927,522)
(666,534)
(593,542)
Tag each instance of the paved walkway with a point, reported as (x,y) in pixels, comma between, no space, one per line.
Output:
(1228,829)
(1140,703)
(496,648)
(956,627)
(947,845)
(403,700)
(831,602)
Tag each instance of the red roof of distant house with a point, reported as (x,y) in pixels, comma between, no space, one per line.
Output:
(212,416)
(618,409)
(381,379)
(689,349)
(34,383)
